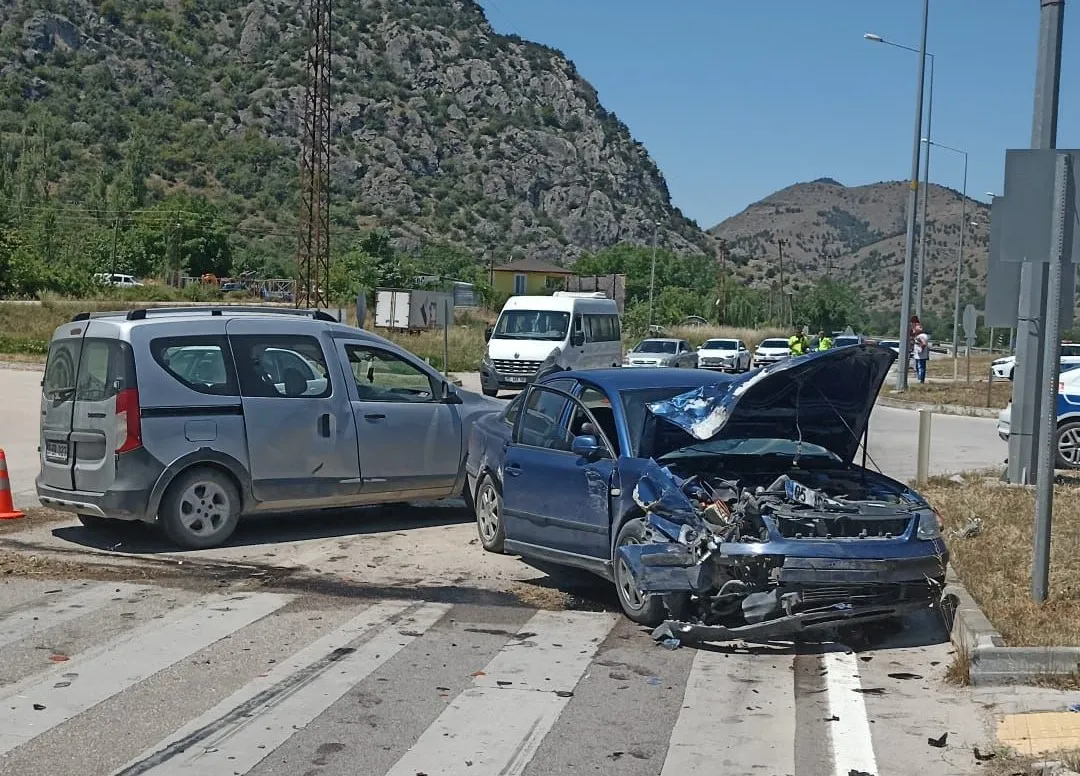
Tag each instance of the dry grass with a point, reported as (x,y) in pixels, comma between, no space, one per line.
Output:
(971,394)
(995,564)
(980,366)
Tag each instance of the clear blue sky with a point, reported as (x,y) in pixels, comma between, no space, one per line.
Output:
(735,100)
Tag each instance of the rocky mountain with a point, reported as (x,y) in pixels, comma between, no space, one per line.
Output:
(442,130)
(857,233)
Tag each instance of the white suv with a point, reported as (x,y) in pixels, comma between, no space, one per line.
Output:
(1003,368)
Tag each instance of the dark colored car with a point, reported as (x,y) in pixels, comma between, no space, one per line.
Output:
(721,507)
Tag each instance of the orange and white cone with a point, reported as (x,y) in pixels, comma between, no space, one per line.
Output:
(7,507)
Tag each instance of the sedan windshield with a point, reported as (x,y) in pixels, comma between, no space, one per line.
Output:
(779,447)
(655,346)
(532,324)
(720,345)
(637,412)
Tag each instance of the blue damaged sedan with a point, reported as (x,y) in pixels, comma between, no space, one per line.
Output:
(721,507)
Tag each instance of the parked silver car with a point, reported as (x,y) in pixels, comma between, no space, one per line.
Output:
(191,417)
(662,351)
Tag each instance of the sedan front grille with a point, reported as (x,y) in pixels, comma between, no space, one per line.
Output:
(508,367)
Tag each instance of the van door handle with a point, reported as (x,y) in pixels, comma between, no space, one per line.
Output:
(373,416)
(95,414)
(324,424)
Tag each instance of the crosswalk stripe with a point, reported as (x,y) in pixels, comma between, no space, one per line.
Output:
(41,703)
(852,745)
(27,620)
(238,733)
(719,686)
(497,725)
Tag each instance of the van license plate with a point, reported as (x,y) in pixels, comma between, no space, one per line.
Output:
(57,452)
(515,379)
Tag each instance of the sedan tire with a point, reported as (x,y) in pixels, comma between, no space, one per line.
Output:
(1068,446)
(489,508)
(643,609)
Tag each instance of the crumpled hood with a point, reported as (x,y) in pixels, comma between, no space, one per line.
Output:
(824,398)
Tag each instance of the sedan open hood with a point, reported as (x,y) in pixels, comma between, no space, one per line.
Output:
(823,398)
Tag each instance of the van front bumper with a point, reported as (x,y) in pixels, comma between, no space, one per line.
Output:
(492,380)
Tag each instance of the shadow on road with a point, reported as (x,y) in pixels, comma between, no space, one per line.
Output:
(255,530)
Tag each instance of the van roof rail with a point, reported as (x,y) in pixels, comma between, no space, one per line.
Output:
(141,313)
(582,294)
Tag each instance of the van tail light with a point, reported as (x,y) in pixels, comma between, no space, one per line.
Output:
(128,423)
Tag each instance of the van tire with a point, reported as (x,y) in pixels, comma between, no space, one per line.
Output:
(195,490)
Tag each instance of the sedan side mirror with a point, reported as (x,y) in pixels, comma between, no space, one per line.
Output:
(588,447)
(488,332)
(450,394)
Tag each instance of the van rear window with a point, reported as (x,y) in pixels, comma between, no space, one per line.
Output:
(202,363)
(61,368)
(106,369)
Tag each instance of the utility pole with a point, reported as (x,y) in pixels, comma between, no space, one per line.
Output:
(115,234)
(909,249)
(780,243)
(722,317)
(313,249)
(1024,438)
(652,274)
(920,276)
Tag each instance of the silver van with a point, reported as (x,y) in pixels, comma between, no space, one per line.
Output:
(192,417)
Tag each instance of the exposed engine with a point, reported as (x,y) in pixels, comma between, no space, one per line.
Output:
(725,553)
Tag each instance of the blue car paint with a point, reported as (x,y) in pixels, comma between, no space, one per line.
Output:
(820,384)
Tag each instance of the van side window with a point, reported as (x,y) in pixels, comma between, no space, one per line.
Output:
(202,363)
(383,376)
(602,328)
(284,366)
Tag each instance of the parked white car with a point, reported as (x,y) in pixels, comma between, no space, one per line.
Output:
(771,350)
(1004,367)
(725,355)
(116,279)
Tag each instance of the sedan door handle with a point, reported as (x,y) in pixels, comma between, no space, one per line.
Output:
(512,469)
(374,416)
(324,425)
(593,475)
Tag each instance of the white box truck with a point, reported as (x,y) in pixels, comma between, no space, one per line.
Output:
(411,310)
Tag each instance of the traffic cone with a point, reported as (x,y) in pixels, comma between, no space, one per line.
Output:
(7,508)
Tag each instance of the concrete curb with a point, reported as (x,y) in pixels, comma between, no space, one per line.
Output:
(23,366)
(990,662)
(940,409)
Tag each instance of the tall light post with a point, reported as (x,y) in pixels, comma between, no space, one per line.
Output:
(920,272)
(909,250)
(959,254)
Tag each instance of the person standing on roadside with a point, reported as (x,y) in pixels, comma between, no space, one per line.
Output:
(921,351)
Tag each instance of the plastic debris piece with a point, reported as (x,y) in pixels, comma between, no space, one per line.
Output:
(1074,707)
(939,742)
(979,756)
(564,693)
(39,707)
(670,643)
(58,658)
(904,675)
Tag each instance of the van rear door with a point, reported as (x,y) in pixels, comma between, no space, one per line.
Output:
(58,406)
(89,406)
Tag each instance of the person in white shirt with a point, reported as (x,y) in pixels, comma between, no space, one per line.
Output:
(921,352)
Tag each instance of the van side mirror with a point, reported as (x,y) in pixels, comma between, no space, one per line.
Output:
(587,447)
(488,331)
(577,339)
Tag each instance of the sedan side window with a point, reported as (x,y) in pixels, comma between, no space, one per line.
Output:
(540,423)
(384,376)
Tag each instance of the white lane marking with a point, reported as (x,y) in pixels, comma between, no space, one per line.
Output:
(238,733)
(498,728)
(58,609)
(719,686)
(37,705)
(852,744)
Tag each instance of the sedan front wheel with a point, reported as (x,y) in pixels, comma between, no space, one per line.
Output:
(638,606)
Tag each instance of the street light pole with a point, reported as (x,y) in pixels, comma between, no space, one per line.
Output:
(959,254)
(919,273)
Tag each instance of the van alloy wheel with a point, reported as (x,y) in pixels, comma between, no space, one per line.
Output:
(200,509)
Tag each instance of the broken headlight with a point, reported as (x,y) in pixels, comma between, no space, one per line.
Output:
(930,525)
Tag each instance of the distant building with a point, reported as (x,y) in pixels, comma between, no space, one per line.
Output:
(529,276)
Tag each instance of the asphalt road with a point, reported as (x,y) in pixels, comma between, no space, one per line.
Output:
(119,678)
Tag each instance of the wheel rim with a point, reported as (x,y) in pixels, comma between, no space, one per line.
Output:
(1069,446)
(204,508)
(487,512)
(628,591)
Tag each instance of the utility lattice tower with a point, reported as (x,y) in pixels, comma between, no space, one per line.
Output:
(313,251)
